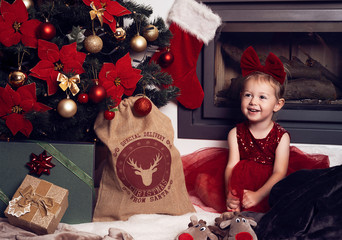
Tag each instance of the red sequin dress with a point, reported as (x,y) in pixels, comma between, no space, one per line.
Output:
(256,162)
(204,169)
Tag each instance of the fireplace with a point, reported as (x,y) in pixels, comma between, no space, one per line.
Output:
(307,35)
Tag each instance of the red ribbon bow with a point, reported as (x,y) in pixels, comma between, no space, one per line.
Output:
(273,66)
(40,164)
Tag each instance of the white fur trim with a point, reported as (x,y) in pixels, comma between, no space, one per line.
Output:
(195,18)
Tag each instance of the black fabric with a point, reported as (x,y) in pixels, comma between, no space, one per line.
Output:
(305,205)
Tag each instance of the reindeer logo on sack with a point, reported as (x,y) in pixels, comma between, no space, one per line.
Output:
(146,174)
(144,166)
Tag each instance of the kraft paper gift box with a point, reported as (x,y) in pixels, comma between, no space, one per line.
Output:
(37,206)
(14,156)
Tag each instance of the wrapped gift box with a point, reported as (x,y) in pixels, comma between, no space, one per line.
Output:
(37,206)
(15,155)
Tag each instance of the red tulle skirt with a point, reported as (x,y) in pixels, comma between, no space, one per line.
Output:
(204,175)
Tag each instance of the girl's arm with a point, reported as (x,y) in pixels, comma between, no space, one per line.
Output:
(279,172)
(233,158)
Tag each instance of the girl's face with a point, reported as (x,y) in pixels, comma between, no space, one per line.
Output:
(259,101)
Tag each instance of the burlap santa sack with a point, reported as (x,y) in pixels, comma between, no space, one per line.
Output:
(144,172)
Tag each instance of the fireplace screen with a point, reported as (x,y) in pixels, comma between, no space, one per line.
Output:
(306,35)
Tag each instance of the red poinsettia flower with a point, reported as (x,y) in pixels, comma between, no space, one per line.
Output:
(15,26)
(15,104)
(106,10)
(120,78)
(54,60)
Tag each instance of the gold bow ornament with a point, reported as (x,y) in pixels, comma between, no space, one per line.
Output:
(96,13)
(21,205)
(70,83)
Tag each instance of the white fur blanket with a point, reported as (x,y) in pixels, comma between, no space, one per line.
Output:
(137,227)
(150,226)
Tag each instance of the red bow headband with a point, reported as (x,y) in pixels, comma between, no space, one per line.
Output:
(273,66)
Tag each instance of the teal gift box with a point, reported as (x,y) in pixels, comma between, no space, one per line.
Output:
(73,170)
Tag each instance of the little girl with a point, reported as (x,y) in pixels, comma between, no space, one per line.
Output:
(259,153)
(258,148)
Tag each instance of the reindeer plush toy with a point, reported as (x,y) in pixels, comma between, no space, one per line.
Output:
(239,227)
(197,230)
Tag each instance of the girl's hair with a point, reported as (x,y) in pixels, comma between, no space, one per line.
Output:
(279,88)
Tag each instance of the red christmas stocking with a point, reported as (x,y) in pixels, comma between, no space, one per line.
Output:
(192,25)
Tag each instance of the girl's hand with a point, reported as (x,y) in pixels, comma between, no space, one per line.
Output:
(233,202)
(250,198)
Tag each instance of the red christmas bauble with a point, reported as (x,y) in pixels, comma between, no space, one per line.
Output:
(97,93)
(142,106)
(82,98)
(165,59)
(109,115)
(46,31)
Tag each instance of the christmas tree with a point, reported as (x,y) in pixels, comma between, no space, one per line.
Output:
(63,62)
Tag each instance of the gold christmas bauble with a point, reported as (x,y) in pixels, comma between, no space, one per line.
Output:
(67,108)
(93,44)
(138,43)
(17,78)
(151,33)
(28,3)
(120,34)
